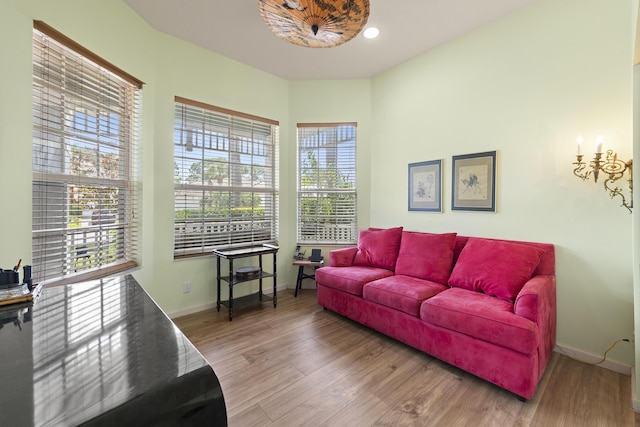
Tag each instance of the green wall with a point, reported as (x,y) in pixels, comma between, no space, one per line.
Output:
(525,86)
(330,102)
(169,67)
(191,72)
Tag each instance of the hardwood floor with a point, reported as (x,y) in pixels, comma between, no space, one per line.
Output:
(301,365)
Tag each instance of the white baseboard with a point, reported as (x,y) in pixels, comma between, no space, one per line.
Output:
(209,306)
(612,365)
(192,310)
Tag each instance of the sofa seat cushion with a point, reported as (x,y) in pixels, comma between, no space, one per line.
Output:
(481,316)
(426,256)
(349,279)
(404,293)
(495,267)
(378,248)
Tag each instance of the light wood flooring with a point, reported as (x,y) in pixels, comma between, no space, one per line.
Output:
(301,365)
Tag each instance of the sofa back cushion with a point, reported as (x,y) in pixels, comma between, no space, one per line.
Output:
(378,248)
(426,256)
(495,267)
(547,265)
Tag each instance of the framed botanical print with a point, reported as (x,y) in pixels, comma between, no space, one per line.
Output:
(474,182)
(425,186)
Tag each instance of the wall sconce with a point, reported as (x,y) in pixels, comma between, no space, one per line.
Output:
(611,166)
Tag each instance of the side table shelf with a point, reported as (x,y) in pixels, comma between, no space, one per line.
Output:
(245,301)
(243,252)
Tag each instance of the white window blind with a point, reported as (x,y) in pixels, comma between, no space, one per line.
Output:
(225,178)
(85,114)
(327,183)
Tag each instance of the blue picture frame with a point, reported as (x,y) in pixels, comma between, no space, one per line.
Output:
(425,186)
(473,186)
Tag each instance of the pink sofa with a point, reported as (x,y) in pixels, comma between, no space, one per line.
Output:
(486,306)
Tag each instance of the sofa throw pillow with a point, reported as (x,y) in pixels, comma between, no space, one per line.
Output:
(426,256)
(495,267)
(378,248)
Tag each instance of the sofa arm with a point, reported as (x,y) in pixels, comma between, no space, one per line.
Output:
(537,302)
(342,257)
(536,299)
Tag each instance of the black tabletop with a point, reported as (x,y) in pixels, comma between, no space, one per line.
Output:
(245,251)
(101,353)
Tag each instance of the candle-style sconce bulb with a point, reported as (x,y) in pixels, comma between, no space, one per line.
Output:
(611,166)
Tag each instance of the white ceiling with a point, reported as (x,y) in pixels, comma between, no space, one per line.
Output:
(234,28)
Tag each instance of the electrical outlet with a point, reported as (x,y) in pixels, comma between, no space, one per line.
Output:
(186,287)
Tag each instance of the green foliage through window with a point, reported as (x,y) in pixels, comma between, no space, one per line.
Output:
(327,184)
(225,179)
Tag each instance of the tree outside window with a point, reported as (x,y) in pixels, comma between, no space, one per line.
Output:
(327,183)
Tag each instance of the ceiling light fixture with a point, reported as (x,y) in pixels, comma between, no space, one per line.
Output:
(371,33)
(315,23)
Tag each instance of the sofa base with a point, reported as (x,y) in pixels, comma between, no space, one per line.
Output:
(511,370)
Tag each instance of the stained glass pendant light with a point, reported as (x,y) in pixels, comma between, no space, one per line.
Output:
(315,23)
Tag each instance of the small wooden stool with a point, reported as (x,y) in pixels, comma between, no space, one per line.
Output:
(302,263)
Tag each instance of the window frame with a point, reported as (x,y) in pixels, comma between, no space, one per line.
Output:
(332,228)
(240,207)
(72,84)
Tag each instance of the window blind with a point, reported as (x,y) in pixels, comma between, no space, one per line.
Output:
(225,178)
(327,183)
(84,191)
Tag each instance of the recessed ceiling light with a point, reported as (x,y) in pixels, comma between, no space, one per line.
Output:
(371,33)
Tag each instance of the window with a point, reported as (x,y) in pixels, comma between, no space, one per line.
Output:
(225,178)
(327,183)
(85,112)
